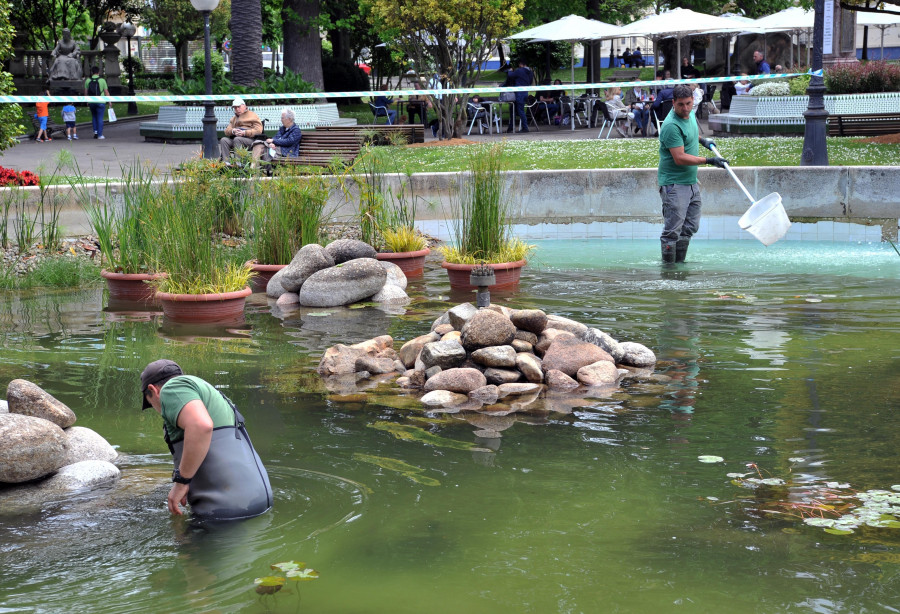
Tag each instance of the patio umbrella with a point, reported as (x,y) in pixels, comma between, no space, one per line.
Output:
(882,21)
(572,29)
(747,26)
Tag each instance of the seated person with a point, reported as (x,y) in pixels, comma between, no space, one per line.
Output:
(698,94)
(286,141)
(616,107)
(687,69)
(743,86)
(550,98)
(241,131)
(637,99)
(418,105)
(384,101)
(626,57)
(637,59)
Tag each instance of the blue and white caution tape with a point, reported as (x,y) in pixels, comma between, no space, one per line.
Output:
(419,92)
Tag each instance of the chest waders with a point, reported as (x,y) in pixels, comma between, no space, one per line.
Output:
(232,482)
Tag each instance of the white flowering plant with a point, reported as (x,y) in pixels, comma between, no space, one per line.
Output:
(776,88)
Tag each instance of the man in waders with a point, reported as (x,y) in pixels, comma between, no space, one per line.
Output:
(679,144)
(217,471)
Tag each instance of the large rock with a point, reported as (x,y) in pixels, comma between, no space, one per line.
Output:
(548,337)
(308,260)
(456,380)
(443,329)
(568,354)
(636,355)
(487,328)
(506,390)
(605,342)
(522,346)
(444,318)
(557,380)
(374,365)
(391,294)
(531,320)
(566,324)
(341,359)
(288,299)
(495,356)
(443,398)
(531,367)
(486,394)
(602,373)
(411,348)
(461,314)
(343,284)
(84,475)
(83,444)
(453,335)
(527,336)
(31,448)
(274,289)
(395,274)
(502,376)
(30,399)
(443,354)
(344,250)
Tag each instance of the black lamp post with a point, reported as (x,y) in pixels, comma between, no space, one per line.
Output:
(210,142)
(815,150)
(127,30)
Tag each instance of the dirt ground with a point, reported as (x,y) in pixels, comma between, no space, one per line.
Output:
(437,143)
(885,139)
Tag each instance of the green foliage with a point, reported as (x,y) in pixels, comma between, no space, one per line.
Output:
(10,114)
(771,88)
(799,85)
(290,213)
(216,65)
(535,55)
(862,78)
(288,83)
(134,62)
(292,571)
(392,464)
(57,271)
(179,22)
(344,77)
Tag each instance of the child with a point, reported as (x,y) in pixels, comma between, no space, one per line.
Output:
(68,115)
(743,86)
(43,113)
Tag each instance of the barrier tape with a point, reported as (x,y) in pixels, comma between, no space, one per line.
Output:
(422,92)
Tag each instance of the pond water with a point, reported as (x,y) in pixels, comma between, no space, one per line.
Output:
(783,357)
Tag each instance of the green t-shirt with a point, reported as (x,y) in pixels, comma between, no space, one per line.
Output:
(676,132)
(181,390)
(101,83)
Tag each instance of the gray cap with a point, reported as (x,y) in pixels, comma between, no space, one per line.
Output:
(155,372)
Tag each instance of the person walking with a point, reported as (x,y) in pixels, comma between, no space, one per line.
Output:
(43,114)
(217,471)
(68,116)
(762,67)
(679,146)
(95,85)
(520,77)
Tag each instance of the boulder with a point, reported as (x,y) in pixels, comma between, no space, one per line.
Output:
(456,380)
(374,365)
(287,299)
(522,346)
(32,448)
(502,376)
(391,294)
(530,366)
(443,398)
(4,407)
(568,354)
(399,367)
(83,475)
(431,372)
(444,318)
(443,354)
(345,250)
(531,320)
(527,336)
(486,394)
(604,342)
(343,284)
(501,309)
(557,380)
(83,444)
(636,355)
(495,356)
(341,359)
(274,289)
(443,329)
(395,274)
(461,314)
(308,260)
(548,337)
(411,348)
(602,373)
(487,328)
(30,399)
(505,390)
(416,379)
(561,323)
(453,335)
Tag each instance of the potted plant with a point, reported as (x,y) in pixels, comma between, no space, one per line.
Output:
(482,227)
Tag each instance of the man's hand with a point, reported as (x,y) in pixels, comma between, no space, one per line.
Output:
(708,143)
(178,495)
(717,161)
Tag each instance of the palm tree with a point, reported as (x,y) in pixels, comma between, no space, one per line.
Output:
(302,43)
(246,42)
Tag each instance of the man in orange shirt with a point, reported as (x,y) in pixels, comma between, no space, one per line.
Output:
(43,113)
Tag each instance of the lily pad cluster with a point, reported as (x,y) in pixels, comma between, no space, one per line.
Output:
(879,509)
(290,570)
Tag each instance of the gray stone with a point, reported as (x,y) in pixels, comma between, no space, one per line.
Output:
(495,356)
(417,379)
(410,349)
(502,376)
(453,335)
(374,365)
(602,373)
(506,390)
(343,284)
(4,407)
(287,299)
(443,398)
(636,355)
(530,366)
(486,394)
(487,328)
(83,444)
(274,289)
(431,372)
(32,448)
(566,324)
(548,337)
(527,336)
(399,367)
(30,399)
(391,294)
(395,274)
(341,359)
(461,314)
(443,329)
(344,250)
(456,380)
(604,342)
(84,475)
(557,380)
(568,354)
(308,260)
(444,354)
(522,346)
(443,319)
(532,320)
(403,382)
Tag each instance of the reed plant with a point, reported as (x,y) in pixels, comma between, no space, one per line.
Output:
(291,213)
(403,239)
(226,190)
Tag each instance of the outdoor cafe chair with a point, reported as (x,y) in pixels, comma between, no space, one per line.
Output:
(611,116)
(478,113)
(530,105)
(565,105)
(379,111)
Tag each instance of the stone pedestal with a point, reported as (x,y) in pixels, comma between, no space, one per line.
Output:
(839,41)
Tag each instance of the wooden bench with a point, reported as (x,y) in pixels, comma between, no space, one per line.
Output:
(632,74)
(54,130)
(863,125)
(323,148)
(414,133)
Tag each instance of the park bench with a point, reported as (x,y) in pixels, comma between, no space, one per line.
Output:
(54,130)
(857,124)
(632,74)
(414,133)
(323,148)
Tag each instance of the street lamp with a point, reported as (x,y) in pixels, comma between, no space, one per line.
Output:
(210,142)
(815,150)
(127,30)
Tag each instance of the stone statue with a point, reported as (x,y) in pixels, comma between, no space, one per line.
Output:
(66,59)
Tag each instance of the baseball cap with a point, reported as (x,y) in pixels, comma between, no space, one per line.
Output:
(237,102)
(155,372)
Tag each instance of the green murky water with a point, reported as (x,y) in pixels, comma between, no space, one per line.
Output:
(592,505)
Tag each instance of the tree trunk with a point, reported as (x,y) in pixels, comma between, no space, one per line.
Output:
(341,48)
(246,42)
(302,44)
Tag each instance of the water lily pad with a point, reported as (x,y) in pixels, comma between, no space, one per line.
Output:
(300,575)
(895,487)
(319,314)
(706,458)
(288,566)
(839,531)
(819,522)
(269,582)
(736,475)
(797,459)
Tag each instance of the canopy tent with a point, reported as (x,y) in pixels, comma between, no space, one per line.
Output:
(571,29)
(882,21)
(747,26)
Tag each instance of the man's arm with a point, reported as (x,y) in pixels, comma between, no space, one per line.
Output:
(683,158)
(198,428)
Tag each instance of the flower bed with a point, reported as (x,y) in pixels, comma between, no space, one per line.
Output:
(10,177)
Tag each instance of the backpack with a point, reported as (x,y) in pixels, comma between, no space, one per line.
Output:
(94,86)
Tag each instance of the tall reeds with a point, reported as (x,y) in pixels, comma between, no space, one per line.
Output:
(290,213)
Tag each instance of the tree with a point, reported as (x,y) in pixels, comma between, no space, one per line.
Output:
(541,57)
(450,38)
(10,114)
(179,23)
(302,42)
(40,22)
(246,41)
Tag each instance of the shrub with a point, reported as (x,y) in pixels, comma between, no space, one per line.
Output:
(198,66)
(344,77)
(134,62)
(799,85)
(862,78)
(777,88)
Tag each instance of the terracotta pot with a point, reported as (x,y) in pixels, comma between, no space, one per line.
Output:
(204,308)
(264,273)
(411,263)
(130,286)
(507,274)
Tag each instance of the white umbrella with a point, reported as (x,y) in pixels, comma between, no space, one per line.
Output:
(880,20)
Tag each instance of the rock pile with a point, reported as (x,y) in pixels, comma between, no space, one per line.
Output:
(40,441)
(343,272)
(474,357)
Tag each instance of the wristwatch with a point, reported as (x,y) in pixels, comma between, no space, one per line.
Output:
(177,477)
